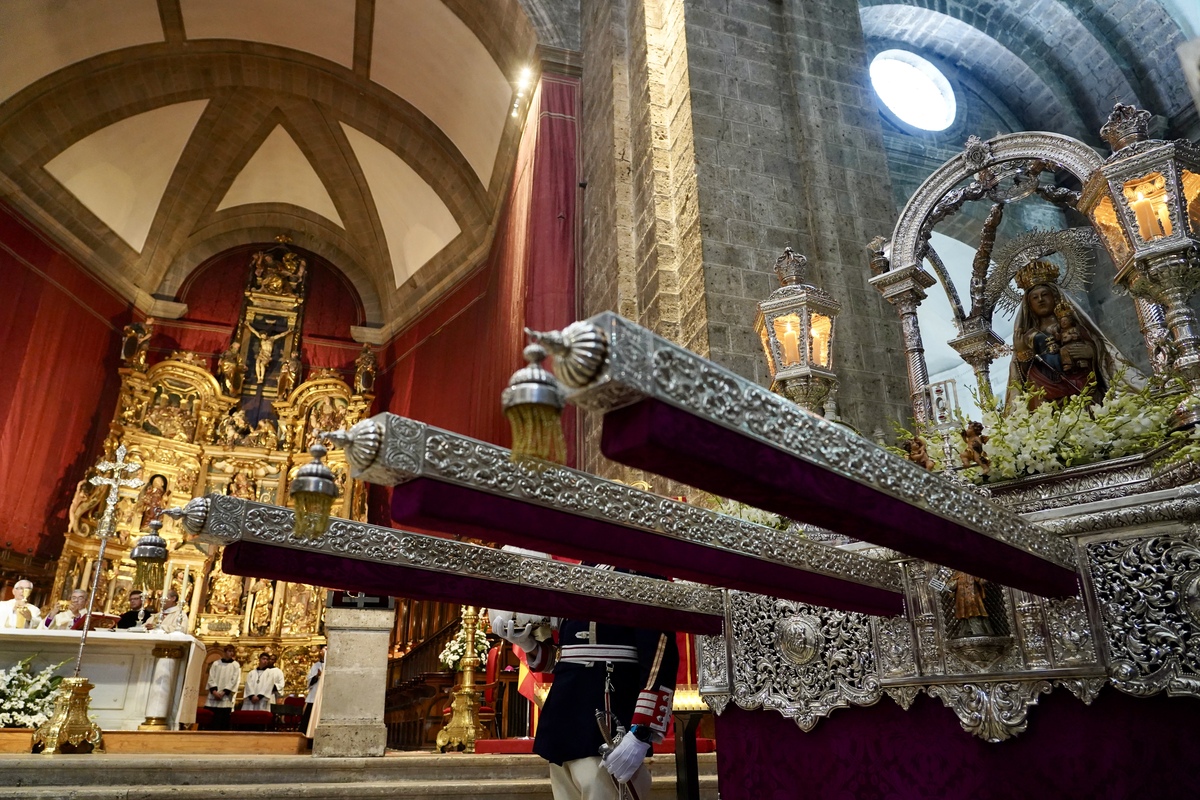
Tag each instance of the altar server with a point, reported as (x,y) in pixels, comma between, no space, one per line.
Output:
(19,612)
(224,677)
(264,685)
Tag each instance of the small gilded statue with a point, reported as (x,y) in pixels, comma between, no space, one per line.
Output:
(134,343)
(324,416)
(972,454)
(289,375)
(230,368)
(365,367)
(152,501)
(264,435)
(232,428)
(917,451)
(242,485)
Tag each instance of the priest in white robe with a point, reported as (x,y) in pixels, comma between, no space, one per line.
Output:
(173,617)
(66,620)
(264,686)
(19,612)
(224,677)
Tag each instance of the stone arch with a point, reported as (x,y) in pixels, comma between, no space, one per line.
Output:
(1067,153)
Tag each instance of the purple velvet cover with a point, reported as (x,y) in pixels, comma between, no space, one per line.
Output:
(282,563)
(434,505)
(660,438)
(1118,747)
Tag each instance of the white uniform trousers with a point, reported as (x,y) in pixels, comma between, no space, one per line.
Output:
(587,779)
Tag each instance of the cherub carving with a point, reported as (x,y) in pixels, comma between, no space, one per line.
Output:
(973,454)
(918,452)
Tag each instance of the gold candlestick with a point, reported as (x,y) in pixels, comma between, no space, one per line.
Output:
(463,729)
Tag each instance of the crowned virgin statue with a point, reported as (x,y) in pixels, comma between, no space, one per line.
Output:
(1057,348)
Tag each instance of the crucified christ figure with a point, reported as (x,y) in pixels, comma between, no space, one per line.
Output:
(266,349)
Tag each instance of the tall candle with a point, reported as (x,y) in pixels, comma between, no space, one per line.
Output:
(789,342)
(1147,222)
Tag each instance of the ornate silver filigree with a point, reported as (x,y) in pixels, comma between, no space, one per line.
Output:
(1185,506)
(411,449)
(992,711)
(713,678)
(231,519)
(687,381)
(1071,154)
(893,637)
(1147,592)
(1120,477)
(829,661)
(904,695)
(1071,639)
(1086,689)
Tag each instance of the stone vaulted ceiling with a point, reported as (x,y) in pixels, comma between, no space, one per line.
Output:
(148,135)
(1058,65)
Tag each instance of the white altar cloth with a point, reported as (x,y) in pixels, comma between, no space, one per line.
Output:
(119,664)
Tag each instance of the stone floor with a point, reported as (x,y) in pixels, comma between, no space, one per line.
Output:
(414,776)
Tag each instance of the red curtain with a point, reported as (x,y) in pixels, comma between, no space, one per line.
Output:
(449,367)
(60,332)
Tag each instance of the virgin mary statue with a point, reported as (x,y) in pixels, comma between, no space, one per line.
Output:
(1057,348)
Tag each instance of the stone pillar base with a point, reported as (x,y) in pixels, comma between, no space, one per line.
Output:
(351,702)
(347,739)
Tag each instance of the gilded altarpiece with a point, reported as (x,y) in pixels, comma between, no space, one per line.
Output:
(241,428)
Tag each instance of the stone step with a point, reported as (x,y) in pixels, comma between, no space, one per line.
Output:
(529,789)
(412,775)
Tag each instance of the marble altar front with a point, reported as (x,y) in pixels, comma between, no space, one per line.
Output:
(136,675)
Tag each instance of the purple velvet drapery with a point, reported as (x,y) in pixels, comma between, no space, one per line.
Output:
(281,563)
(433,505)
(1119,747)
(660,438)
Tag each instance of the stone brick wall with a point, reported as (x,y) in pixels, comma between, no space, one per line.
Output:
(789,151)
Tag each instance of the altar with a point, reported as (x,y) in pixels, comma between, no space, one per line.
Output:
(134,674)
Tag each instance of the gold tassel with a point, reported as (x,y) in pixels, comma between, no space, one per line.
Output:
(149,575)
(538,440)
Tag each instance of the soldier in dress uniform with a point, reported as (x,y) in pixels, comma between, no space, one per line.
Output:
(637,665)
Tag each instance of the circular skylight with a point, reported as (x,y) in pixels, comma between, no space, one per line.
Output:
(913,89)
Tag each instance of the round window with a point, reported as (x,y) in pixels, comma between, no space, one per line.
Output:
(913,89)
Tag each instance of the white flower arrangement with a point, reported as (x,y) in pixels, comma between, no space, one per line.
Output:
(456,648)
(27,700)
(1055,436)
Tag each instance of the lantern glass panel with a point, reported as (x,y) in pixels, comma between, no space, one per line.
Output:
(1191,196)
(1104,216)
(1148,201)
(766,344)
(821,331)
(788,333)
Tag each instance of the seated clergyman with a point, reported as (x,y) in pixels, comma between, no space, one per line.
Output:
(19,612)
(136,608)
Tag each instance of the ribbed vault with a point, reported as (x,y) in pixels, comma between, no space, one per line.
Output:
(285,88)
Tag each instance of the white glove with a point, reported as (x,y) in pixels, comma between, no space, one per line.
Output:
(506,625)
(624,759)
